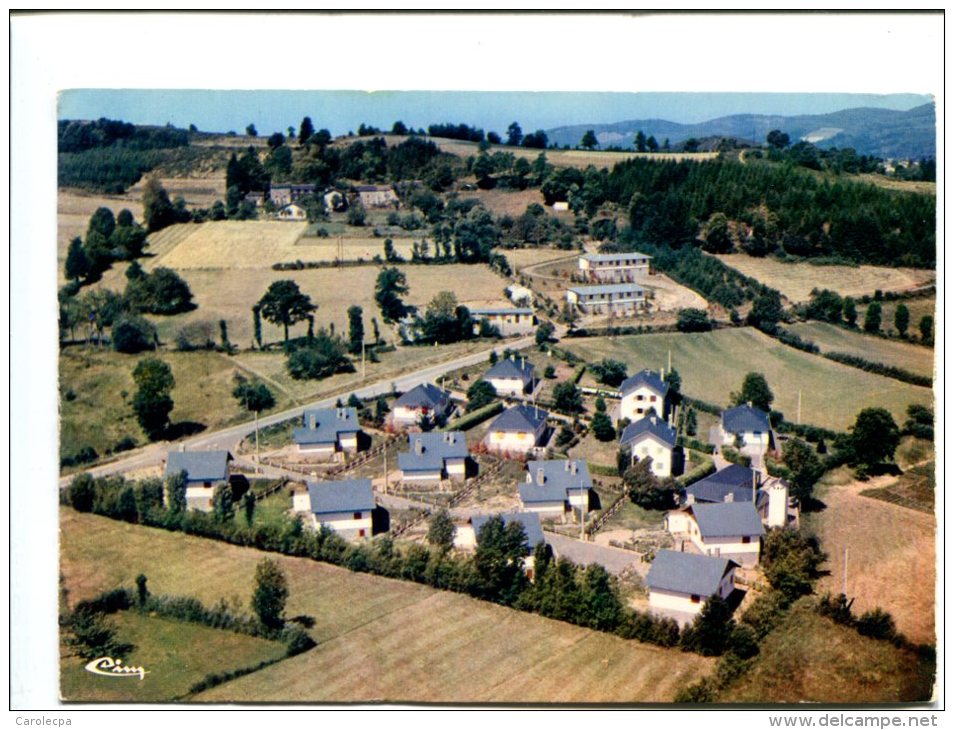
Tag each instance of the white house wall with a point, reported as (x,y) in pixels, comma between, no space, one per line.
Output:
(507,386)
(661,455)
(634,409)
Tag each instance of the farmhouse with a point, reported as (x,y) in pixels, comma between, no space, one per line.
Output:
(518,430)
(287,193)
(467,535)
(643,393)
(326,432)
(614,267)
(377,196)
(556,486)
(344,506)
(434,456)
(204,471)
(728,530)
(652,437)
(613,299)
(680,583)
(425,399)
(508,320)
(292,212)
(510,377)
(748,423)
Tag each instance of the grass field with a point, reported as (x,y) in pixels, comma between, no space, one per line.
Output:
(511,202)
(713,364)
(521,257)
(796,280)
(812,659)
(829,338)
(918,308)
(891,554)
(915,489)
(379,638)
(175,654)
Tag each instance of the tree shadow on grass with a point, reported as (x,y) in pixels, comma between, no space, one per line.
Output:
(182,429)
(813,504)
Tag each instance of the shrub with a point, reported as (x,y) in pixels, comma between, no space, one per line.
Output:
(133,334)
(878,624)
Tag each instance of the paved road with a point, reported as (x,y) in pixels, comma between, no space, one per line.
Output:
(584,553)
(229,438)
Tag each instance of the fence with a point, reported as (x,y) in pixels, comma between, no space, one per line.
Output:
(598,523)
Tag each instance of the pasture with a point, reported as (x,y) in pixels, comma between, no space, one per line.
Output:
(175,654)
(809,658)
(379,638)
(829,338)
(796,280)
(713,364)
(522,257)
(891,554)
(918,307)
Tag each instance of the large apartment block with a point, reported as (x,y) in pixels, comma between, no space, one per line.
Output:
(614,267)
(618,299)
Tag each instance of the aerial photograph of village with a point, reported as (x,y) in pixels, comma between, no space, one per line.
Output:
(450,397)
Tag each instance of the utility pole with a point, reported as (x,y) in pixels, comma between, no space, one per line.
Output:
(669,368)
(363,368)
(258,460)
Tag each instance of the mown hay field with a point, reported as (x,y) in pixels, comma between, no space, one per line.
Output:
(891,554)
(796,280)
(713,364)
(809,658)
(379,638)
(829,338)
(175,654)
(917,308)
(233,245)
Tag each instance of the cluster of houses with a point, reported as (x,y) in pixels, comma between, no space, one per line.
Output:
(287,197)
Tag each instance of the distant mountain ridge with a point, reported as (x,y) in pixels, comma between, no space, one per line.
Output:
(880,132)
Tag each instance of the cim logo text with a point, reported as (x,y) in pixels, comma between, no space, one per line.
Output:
(109,667)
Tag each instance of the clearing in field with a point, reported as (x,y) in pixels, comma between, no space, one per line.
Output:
(379,638)
(713,364)
(891,555)
(829,338)
(796,280)
(809,658)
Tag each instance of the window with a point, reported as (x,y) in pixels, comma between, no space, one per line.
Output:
(356,516)
(746,540)
(361,533)
(639,411)
(652,398)
(207,484)
(640,397)
(694,598)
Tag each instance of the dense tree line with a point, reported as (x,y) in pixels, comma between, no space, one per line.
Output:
(78,136)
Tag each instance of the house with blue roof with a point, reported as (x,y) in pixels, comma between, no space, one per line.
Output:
(343,506)
(680,583)
(518,430)
(468,535)
(509,321)
(644,393)
(327,432)
(425,399)
(554,487)
(653,438)
(511,376)
(748,423)
(204,472)
(434,456)
(726,529)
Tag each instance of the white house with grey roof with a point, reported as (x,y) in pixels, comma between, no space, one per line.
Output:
(613,299)
(614,267)
(725,529)
(468,534)
(680,583)
(751,424)
(326,432)
(424,399)
(343,506)
(510,376)
(204,472)
(555,486)
(653,438)
(644,393)
(508,320)
(434,456)
(518,430)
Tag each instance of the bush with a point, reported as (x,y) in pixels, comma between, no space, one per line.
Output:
(878,624)
(133,334)
(693,320)
(475,417)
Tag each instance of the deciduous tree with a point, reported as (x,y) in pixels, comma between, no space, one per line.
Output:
(152,401)
(271,593)
(285,304)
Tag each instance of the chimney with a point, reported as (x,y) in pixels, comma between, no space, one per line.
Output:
(341,414)
(540,476)
(749,404)
(573,466)
(181,447)
(690,499)
(662,374)
(418,446)
(449,437)
(730,497)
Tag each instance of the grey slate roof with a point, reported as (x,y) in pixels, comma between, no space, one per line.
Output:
(350,495)
(608,289)
(745,418)
(734,479)
(519,418)
(597,257)
(529,520)
(510,370)
(649,378)
(435,447)
(649,424)
(559,481)
(199,466)
(427,395)
(322,425)
(727,519)
(698,575)
(491,311)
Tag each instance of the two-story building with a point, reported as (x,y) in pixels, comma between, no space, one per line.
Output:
(205,471)
(556,486)
(326,432)
(509,321)
(614,267)
(652,437)
(748,423)
(728,530)
(468,535)
(680,583)
(644,393)
(619,300)
(511,376)
(344,506)
(377,196)
(422,400)
(518,430)
(434,456)
(283,194)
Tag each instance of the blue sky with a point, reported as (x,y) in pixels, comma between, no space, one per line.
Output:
(341,111)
